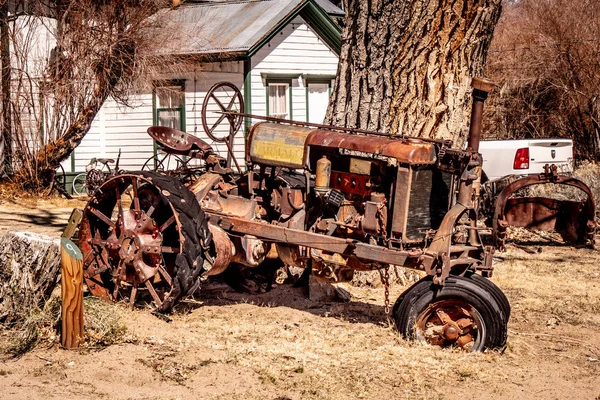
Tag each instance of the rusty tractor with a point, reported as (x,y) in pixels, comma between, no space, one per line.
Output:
(323,198)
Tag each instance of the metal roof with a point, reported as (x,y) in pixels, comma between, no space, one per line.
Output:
(330,8)
(223,26)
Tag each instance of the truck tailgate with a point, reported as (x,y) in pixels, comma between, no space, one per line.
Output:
(550,151)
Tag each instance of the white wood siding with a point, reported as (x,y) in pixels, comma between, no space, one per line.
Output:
(296,49)
(118,127)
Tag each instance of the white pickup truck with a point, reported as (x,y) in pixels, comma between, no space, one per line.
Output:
(525,157)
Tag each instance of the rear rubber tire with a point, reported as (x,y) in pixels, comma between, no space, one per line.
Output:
(416,301)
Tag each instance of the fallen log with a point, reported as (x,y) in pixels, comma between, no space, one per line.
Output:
(29,270)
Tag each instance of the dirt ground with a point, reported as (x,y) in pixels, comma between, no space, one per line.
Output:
(280,345)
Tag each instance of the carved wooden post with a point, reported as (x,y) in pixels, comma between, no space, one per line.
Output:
(72,294)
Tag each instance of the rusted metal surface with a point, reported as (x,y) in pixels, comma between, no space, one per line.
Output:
(406,151)
(575,221)
(178,142)
(277,145)
(224,250)
(481,88)
(334,128)
(449,323)
(311,240)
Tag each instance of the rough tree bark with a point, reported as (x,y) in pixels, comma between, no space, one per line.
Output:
(406,66)
(29,270)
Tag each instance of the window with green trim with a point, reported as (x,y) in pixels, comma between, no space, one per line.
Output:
(278,99)
(169,100)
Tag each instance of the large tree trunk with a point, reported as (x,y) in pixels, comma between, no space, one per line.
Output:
(406,66)
(29,270)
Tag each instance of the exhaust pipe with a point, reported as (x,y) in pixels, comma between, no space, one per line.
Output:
(481,88)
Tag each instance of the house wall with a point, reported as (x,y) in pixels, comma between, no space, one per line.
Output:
(120,127)
(296,49)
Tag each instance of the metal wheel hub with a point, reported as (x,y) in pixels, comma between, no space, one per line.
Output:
(138,246)
(449,323)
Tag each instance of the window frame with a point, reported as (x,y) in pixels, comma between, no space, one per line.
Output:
(181,109)
(156,110)
(289,93)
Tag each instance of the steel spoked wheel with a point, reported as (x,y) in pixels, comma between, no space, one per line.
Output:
(460,314)
(79,186)
(173,165)
(450,323)
(164,163)
(221,103)
(138,240)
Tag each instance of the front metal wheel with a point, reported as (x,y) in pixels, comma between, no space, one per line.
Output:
(134,236)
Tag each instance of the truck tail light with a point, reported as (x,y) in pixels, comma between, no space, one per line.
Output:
(521,159)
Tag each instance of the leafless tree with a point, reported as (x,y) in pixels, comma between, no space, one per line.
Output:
(546,58)
(68,57)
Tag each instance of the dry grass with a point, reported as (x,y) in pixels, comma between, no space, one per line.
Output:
(309,351)
(103,321)
(280,345)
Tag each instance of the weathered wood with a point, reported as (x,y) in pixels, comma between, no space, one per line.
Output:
(406,66)
(29,270)
(72,294)
(74,221)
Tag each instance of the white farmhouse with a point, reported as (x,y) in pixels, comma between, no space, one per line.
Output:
(282,54)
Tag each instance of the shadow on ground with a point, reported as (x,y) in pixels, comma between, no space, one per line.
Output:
(217,294)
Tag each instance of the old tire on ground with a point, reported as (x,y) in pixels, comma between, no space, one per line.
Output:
(462,314)
(494,290)
(157,242)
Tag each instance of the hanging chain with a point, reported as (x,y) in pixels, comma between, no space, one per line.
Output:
(386,284)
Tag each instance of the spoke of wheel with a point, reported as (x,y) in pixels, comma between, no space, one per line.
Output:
(133,295)
(441,314)
(221,106)
(94,269)
(221,118)
(119,205)
(167,223)
(165,274)
(102,217)
(98,242)
(153,207)
(115,293)
(153,293)
(230,150)
(136,199)
(231,102)
(166,249)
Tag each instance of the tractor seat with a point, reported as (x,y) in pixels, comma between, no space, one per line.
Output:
(178,142)
(105,160)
